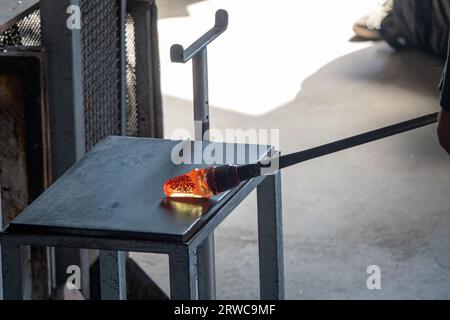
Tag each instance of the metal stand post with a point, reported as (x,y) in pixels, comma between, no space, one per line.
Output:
(198,53)
(270,234)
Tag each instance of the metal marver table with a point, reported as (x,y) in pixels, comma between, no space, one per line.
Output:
(112,200)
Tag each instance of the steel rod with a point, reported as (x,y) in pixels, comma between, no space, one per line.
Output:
(201,104)
(309,154)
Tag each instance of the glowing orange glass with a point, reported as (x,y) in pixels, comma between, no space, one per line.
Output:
(190,185)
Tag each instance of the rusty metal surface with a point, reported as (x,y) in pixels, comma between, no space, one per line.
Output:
(28,64)
(24,147)
(13,165)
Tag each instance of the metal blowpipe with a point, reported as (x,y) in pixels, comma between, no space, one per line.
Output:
(205,183)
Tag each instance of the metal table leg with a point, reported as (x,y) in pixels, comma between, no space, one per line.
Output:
(11,270)
(270,233)
(183,274)
(206,269)
(112,275)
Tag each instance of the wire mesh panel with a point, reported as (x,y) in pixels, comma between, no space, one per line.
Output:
(132,104)
(144,106)
(101,65)
(30,29)
(101,54)
(26,32)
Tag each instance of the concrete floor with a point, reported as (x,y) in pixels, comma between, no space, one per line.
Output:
(384,204)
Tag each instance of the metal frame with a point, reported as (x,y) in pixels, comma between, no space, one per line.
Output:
(199,55)
(112,275)
(123,71)
(148,86)
(37,53)
(66,104)
(113,263)
(182,255)
(65,98)
(63,52)
(270,224)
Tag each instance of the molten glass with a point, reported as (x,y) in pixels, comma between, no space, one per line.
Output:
(203,183)
(190,185)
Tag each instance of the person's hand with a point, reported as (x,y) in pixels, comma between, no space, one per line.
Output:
(444,130)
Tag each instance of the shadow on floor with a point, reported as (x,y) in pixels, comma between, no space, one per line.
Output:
(385,203)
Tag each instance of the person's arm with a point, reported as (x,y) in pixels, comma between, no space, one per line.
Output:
(444,118)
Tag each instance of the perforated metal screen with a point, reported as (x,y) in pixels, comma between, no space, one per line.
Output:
(132,104)
(100,38)
(26,32)
(100,35)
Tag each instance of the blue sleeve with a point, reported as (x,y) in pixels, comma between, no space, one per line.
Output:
(445,84)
